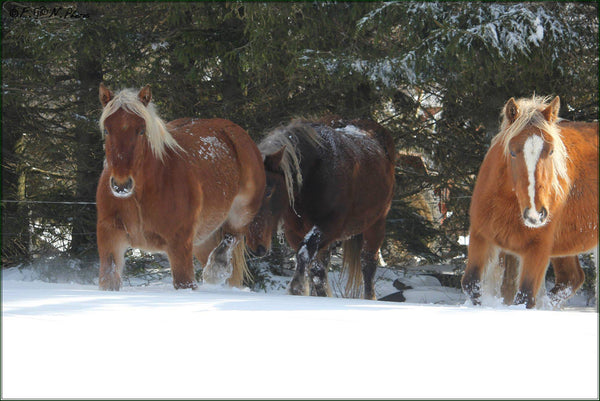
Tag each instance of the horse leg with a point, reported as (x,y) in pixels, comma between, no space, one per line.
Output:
(310,245)
(182,266)
(569,276)
(220,265)
(318,273)
(203,249)
(508,290)
(480,254)
(533,270)
(112,244)
(369,257)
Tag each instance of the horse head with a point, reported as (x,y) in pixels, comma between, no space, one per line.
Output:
(131,127)
(275,202)
(536,159)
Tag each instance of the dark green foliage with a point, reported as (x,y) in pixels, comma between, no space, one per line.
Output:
(261,64)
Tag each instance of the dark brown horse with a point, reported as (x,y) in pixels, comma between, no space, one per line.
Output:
(327,181)
(189,187)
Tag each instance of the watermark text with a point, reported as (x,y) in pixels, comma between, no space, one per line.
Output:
(46,12)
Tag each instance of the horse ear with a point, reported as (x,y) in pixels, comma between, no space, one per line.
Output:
(145,95)
(551,112)
(511,110)
(105,95)
(273,160)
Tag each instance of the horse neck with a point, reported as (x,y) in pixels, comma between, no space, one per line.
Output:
(309,155)
(500,174)
(152,172)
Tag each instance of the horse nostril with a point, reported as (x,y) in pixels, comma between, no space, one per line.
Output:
(128,185)
(543,214)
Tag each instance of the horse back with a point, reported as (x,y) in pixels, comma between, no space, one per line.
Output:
(209,140)
(578,228)
(586,129)
(348,183)
(381,135)
(581,143)
(223,152)
(376,130)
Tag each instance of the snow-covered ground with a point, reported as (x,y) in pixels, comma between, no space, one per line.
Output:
(69,340)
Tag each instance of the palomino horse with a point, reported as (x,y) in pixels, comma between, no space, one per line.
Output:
(536,197)
(189,187)
(327,181)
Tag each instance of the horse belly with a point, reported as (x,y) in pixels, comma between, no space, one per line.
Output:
(584,238)
(368,208)
(152,243)
(577,224)
(218,187)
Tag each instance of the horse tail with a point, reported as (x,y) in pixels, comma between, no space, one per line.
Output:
(241,272)
(352,266)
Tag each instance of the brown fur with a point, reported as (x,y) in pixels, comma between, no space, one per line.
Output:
(340,185)
(194,182)
(496,214)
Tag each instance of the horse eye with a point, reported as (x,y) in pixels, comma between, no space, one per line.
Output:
(105,131)
(142,131)
(551,151)
(268,192)
(513,154)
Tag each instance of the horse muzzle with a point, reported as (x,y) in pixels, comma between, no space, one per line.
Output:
(122,189)
(534,219)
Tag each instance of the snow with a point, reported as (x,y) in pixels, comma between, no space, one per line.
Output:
(211,148)
(66,340)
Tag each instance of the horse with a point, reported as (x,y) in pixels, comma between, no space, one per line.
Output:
(327,180)
(188,187)
(535,197)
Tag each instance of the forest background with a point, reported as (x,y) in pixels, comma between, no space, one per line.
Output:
(435,74)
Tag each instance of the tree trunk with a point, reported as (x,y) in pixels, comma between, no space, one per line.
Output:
(15,215)
(88,146)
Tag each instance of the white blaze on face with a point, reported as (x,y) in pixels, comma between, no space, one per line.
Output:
(532,151)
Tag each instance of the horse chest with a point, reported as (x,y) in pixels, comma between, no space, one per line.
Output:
(141,228)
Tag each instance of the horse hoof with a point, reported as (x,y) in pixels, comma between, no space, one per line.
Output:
(217,274)
(559,295)
(321,291)
(370,297)
(110,284)
(110,288)
(319,287)
(297,288)
(185,285)
(523,298)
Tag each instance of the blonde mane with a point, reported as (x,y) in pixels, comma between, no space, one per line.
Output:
(157,133)
(288,136)
(530,114)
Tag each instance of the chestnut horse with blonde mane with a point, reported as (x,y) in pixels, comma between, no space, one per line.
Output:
(189,187)
(536,197)
(327,180)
